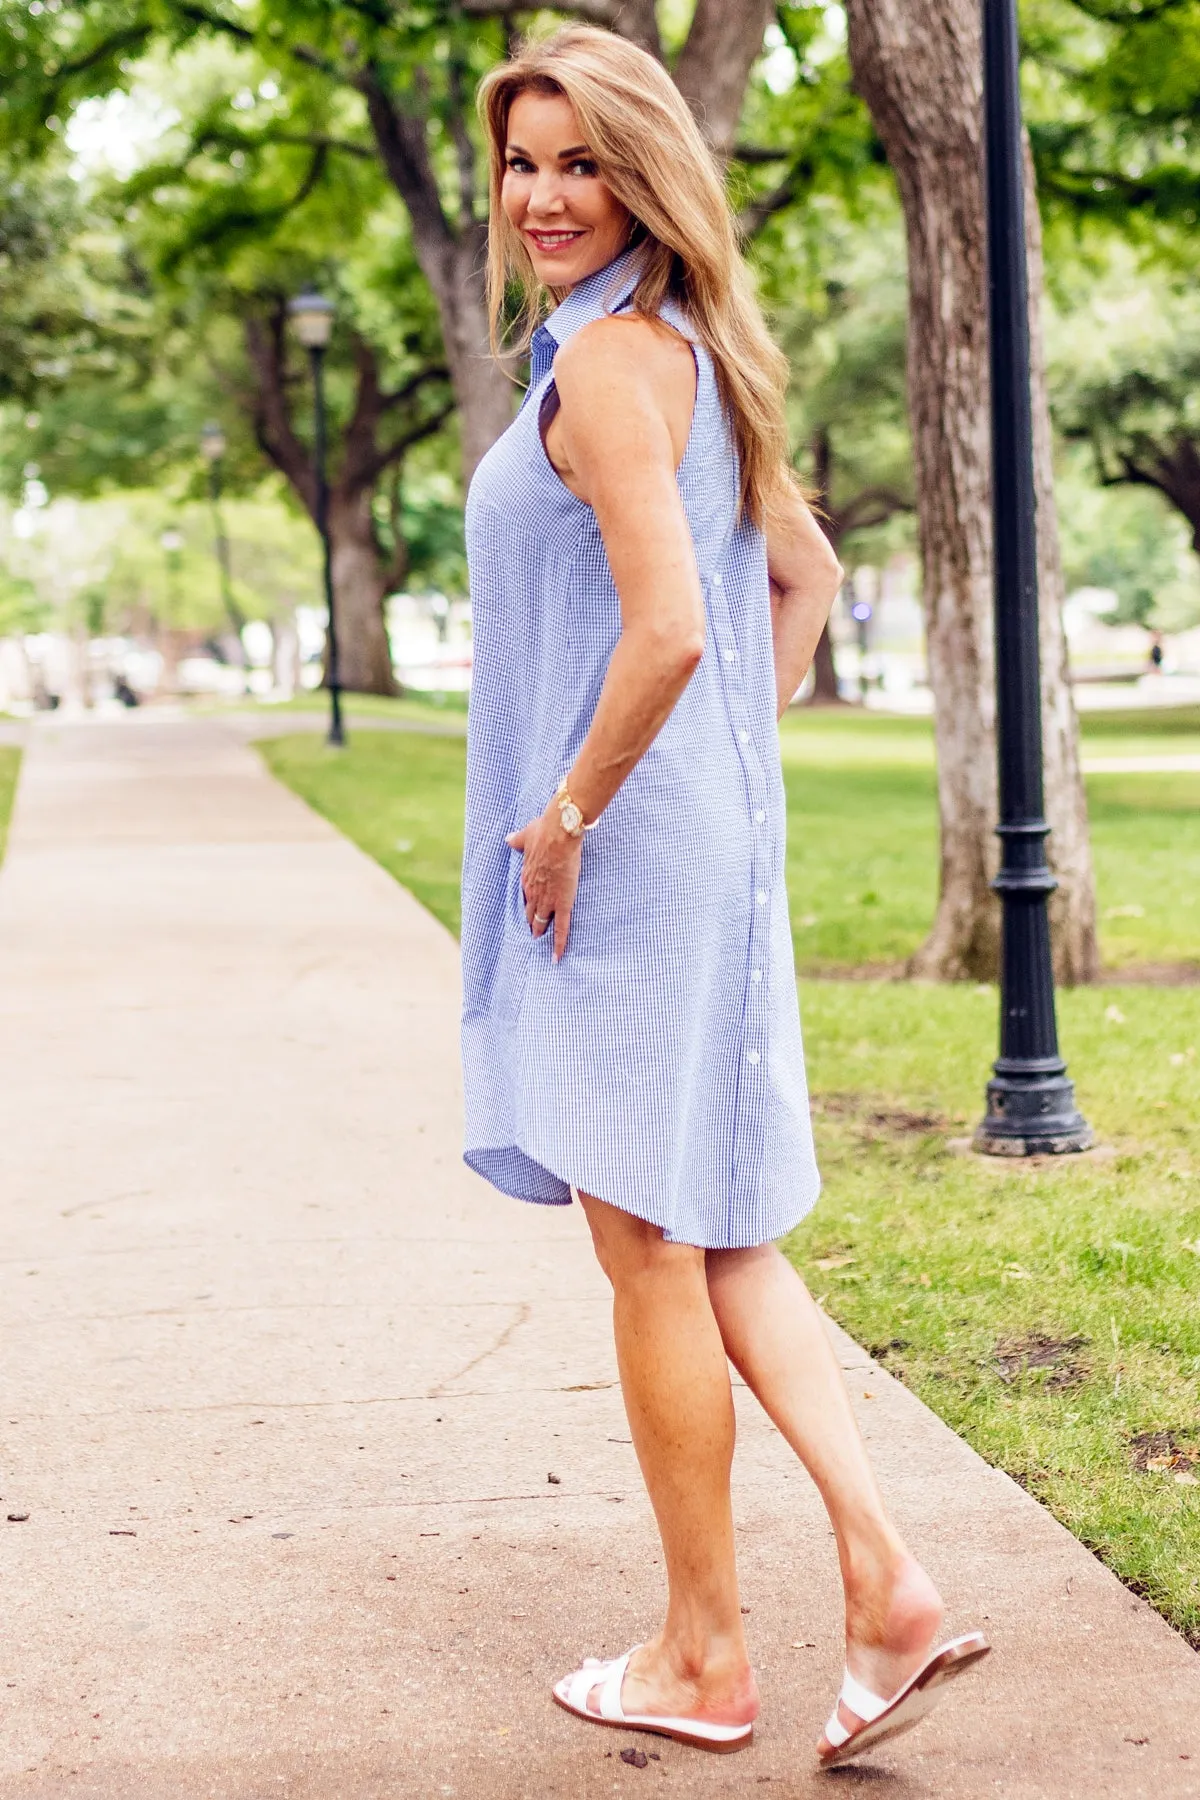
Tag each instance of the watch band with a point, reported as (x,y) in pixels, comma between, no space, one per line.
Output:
(570,813)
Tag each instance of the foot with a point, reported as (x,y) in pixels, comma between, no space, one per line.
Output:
(660,1683)
(893,1617)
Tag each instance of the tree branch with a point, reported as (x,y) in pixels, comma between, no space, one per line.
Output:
(405,153)
(632,19)
(872,506)
(131,37)
(800,176)
(266,349)
(758,153)
(416,434)
(249,140)
(201,15)
(398,396)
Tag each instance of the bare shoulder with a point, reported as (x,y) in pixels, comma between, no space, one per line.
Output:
(628,351)
(627,387)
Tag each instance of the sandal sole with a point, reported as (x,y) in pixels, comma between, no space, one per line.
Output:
(722,1748)
(913,1702)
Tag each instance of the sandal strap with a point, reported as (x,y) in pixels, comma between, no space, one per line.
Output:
(835,1732)
(593,1672)
(862,1702)
(610,1692)
(581,1683)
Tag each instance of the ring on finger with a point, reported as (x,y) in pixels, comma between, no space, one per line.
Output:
(538,919)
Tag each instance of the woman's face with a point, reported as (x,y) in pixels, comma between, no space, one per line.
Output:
(569,221)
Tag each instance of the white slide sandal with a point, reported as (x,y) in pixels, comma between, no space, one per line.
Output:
(573,1690)
(884,1719)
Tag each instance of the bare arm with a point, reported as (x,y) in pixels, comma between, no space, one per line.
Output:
(805,576)
(626,401)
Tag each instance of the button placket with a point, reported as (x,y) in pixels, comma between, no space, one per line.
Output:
(750,1105)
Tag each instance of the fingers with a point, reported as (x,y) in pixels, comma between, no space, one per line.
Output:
(515,840)
(538,916)
(562,926)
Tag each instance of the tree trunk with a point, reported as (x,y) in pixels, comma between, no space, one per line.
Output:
(485,392)
(918,66)
(359,589)
(713,67)
(825,685)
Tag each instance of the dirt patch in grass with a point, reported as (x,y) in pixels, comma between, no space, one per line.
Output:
(1054,1359)
(1160,1453)
(1180,974)
(874,1120)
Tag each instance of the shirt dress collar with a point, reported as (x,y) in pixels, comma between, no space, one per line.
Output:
(596,294)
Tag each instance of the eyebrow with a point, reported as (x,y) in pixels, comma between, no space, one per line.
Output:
(563,155)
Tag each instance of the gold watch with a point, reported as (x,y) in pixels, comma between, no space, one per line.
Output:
(569,813)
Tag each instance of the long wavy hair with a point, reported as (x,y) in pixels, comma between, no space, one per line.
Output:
(649,151)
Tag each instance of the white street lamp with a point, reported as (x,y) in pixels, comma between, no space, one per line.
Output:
(312,319)
(212,442)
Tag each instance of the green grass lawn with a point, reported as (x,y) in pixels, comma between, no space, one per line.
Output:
(1049,1312)
(862,840)
(10,763)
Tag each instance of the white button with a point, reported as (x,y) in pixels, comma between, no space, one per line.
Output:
(743,737)
(759,817)
(761,896)
(731,656)
(756,974)
(717,579)
(752,1056)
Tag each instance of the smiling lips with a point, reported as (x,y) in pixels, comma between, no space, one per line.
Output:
(550,241)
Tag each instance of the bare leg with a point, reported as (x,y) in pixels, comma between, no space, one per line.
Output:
(675,1380)
(775,1337)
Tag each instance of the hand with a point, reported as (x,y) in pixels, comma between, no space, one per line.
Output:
(549,874)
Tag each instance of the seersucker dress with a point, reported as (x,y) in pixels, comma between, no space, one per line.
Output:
(659,1065)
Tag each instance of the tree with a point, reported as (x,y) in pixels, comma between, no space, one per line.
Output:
(1114,116)
(194,258)
(847,401)
(369,78)
(1130,388)
(917,64)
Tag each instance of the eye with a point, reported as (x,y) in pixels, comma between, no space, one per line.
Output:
(581,166)
(519,165)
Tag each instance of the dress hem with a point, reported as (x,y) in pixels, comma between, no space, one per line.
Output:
(475,1160)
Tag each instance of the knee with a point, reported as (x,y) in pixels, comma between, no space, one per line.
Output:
(630,1251)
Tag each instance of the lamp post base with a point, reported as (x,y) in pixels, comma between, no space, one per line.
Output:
(1032,1113)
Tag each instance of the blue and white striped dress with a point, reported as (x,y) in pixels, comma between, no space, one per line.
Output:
(659,1065)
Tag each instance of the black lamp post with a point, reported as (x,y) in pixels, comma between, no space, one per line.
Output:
(212,449)
(312,319)
(1030,1100)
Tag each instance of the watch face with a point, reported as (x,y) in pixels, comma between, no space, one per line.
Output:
(571,817)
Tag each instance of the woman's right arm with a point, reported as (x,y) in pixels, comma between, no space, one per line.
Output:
(624,418)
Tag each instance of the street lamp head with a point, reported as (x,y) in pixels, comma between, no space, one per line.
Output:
(212,442)
(171,540)
(312,319)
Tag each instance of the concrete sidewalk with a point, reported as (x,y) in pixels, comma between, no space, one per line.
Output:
(324,1462)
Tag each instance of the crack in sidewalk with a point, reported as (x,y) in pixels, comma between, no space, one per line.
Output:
(442,1389)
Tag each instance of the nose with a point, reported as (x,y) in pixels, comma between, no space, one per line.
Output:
(546,195)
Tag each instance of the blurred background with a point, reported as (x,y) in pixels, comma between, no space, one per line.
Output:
(172,181)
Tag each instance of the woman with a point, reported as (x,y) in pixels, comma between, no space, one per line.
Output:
(648,589)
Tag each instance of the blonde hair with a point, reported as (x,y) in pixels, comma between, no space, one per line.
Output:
(649,151)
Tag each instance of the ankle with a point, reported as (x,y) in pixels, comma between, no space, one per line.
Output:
(873,1557)
(704,1658)
(893,1603)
